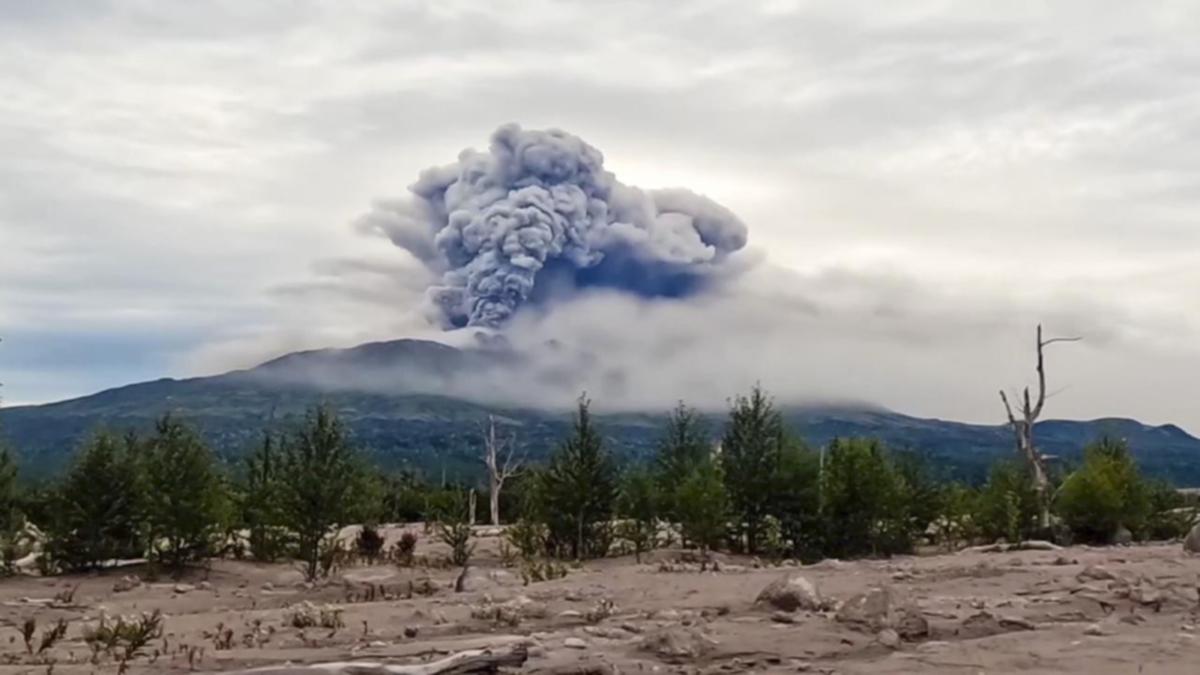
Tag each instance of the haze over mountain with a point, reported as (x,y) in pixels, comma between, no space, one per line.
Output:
(386,393)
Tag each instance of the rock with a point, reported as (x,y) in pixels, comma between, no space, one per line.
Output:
(881,607)
(475,580)
(204,586)
(572,614)
(783,617)
(127,583)
(676,644)
(574,643)
(1096,630)
(184,588)
(268,586)
(1016,623)
(791,592)
(1095,573)
(411,632)
(889,638)
(1191,543)
(1122,536)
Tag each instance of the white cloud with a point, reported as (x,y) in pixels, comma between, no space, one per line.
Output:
(938,177)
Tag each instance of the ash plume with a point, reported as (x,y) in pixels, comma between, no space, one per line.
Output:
(537,218)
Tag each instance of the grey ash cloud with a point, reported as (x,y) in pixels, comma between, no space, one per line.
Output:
(538,216)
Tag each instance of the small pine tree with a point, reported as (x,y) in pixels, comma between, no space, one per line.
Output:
(318,475)
(637,505)
(750,455)
(186,497)
(795,500)
(95,511)
(11,519)
(10,516)
(684,445)
(579,489)
(1007,505)
(703,506)
(862,501)
(261,508)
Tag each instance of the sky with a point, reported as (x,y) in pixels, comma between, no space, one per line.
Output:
(923,183)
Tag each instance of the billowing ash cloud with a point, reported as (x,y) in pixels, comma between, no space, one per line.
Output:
(538,217)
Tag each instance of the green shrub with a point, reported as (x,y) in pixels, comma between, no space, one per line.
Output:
(1105,493)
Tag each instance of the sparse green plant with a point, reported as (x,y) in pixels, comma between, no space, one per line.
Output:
(457,535)
(703,507)
(402,552)
(369,543)
(124,639)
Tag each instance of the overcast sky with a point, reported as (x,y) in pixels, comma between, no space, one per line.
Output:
(923,181)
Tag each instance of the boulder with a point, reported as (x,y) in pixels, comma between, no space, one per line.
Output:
(1122,536)
(677,644)
(791,592)
(880,608)
(1191,543)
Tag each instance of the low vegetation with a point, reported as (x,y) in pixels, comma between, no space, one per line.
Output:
(759,490)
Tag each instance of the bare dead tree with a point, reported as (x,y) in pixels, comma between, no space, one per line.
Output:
(499,455)
(1022,422)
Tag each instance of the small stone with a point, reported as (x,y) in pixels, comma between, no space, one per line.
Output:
(411,632)
(184,588)
(1096,630)
(783,617)
(1095,573)
(570,614)
(204,586)
(268,586)
(574,643)
(889,638)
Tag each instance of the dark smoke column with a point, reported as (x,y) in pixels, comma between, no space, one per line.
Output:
(539,207)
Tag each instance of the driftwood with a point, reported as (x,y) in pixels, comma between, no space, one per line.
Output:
(1001,547)
(462,663)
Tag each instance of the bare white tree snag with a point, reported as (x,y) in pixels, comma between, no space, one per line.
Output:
(1022,422)
(502,464)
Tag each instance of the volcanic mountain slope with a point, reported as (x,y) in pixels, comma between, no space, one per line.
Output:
(377,388)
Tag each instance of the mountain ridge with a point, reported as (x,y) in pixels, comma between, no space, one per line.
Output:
(382,389)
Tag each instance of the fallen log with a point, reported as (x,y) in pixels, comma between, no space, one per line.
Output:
(1001,547)
(462,663)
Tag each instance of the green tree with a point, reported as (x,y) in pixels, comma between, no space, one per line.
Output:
(1008,505)
(638,506)
(703,506)
(261,502)
(10,515)
(186,498)
(684,445)
(750,455)
(579,488)
(11,520)
(862,501)
(96,512)
(795,500)
(1105,493)
(318,475)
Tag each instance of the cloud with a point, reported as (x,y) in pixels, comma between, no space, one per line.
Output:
(935,178)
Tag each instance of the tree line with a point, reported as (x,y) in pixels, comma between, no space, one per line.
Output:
(751,487)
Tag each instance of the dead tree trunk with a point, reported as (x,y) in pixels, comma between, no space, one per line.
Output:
(499,470)
(1022,422)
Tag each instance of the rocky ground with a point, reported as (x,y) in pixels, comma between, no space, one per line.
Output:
(1078,610)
